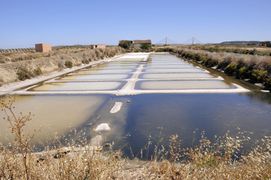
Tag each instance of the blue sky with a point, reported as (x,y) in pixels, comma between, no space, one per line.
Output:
(25,22)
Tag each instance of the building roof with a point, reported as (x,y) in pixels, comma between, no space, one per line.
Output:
(142,41)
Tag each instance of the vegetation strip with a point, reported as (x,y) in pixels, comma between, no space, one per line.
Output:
(249,69)
(232,49)
(16,67)
(32,82)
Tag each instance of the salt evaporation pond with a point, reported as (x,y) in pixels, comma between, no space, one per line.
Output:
(140,117)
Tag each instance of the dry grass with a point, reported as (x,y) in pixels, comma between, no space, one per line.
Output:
(87,163)
(21,56)
(251,68)
(207,160)
(249,50)
(37,63)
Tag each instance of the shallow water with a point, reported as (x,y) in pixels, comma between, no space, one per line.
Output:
(175,76)
(103,77)
(180,85)
(103,71)
(156,117)
(52,115)
(79,86)
(116,65)
(173,66)
(141,117)
(187,70)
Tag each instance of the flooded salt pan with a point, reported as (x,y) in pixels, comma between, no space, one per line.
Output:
(116,65)
(132,60)
(173,70)
(154,63)
(110,66)
(52,115)
(104,71)
(159,116)
(169,66)
(96,77)
(175,76)
(123,63)
(181,85)
(79,86)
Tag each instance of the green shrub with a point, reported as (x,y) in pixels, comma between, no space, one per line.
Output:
(243,72)
(210,62)
(126,44)
(252,52)
(259,75)
(37,71)
(203,58)
(197,57)
(145,47)
(223,64)
(231,69)
(85,61)
(68,64)
(23,73)
(267,83)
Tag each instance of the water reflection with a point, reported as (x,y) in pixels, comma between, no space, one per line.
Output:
(160,116)
(97,77)
(52,115)
(79,86)
(142,117)
(181,85)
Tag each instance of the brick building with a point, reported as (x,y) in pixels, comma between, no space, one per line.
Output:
(139,43)
(43,48)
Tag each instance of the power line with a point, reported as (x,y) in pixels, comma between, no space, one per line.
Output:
(167,41)
(193,41)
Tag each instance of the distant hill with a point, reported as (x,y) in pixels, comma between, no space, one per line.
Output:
(241,42)
(255,43)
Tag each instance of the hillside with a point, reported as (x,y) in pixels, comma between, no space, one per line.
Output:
(20,66)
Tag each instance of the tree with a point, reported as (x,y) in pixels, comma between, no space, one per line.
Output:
(126,44)
(266,43)
(145,46)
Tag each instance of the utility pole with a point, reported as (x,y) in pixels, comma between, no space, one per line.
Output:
(166,41)
(193,40)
